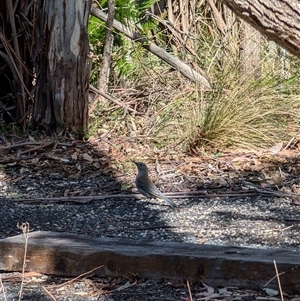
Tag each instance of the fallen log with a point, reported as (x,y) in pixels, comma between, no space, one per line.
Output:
(64,254)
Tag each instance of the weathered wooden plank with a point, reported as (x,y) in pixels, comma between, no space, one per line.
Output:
(65,254)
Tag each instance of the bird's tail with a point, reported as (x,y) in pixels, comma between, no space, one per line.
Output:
(169,201)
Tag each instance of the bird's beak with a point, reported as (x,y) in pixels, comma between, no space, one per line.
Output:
(134,162)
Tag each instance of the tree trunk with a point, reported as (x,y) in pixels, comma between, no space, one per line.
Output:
(250,49)
(109,38)
(107,53)
(277,19)
(60,62)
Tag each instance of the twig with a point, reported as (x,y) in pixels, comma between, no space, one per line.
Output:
(50,295)
(282,273)
(2,289)
(13,160)
(173,61)
(115,101)
(278,279)
(36,148)
(19,145)
(289,143)
(20,79)
(25,229)
(121,288)
(268,191)
(7,60)
(87,199)
(189,289)
(39,143)
(74,279)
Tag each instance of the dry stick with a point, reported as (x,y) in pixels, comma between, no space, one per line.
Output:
(74,279)
(25,229)
(19,145)
(183,68)
(50,295)
(36,148)
(118,103)
(218,17)
(278,279)
(86,199)
(268,191)
(10,10)
(120,288)
(9,51)
(107,53)
(37,143)
(289,143)
(13,160)
(2,289)
(9,63)
(189,289)
(176,35)
(282,273)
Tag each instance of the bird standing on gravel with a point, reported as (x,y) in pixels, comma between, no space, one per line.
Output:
(145,186)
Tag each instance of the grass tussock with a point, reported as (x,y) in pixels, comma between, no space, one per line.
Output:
(248,115)
(245,111)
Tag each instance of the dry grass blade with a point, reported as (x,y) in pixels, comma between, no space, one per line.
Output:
(2,289)
(189,289)
(249,115)
(48,293)
(25,229)
(278,279)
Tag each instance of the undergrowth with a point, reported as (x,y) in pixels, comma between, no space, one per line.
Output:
(236,113)
(239,111)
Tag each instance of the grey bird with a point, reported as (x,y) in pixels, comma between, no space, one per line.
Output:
(146,187)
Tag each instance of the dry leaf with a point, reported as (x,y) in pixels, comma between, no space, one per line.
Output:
(275,149)
(96,164)
(31,139)
(74,156)
(81,293)
(87,157)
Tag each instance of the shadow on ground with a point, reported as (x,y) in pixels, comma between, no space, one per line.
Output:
(67,169)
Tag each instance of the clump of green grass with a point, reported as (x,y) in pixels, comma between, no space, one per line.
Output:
(247,114)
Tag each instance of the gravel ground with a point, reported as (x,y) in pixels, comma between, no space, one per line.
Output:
(256,221)
(248,222)
(128,288)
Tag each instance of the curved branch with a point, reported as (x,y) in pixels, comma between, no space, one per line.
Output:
(279,20)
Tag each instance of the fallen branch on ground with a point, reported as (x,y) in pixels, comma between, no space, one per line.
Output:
(174,195)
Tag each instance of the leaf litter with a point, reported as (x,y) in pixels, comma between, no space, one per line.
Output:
(109,170)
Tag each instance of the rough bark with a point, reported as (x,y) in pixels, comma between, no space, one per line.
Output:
(250,51)
(279,20)
(60,61)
